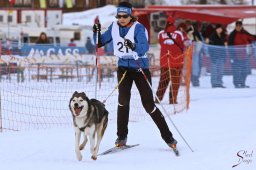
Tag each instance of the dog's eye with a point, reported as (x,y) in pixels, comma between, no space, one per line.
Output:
(81,100)
(73,100)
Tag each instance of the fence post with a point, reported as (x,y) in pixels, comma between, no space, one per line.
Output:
(77,72)
(51,74)
(38,72)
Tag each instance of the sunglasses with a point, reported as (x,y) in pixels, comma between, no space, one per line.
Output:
(122,16)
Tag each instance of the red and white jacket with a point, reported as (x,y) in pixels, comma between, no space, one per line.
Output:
(171,48)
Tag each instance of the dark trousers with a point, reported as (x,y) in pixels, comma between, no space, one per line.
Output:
(195,80)
(146,95)
(217,71)
(240,72)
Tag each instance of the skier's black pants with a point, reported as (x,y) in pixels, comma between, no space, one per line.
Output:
(146,99)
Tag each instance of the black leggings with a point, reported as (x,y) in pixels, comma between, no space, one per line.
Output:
(146,99)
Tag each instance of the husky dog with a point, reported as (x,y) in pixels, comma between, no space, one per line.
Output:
(90,117)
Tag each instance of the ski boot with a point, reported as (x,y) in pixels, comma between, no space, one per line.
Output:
(121,142)
(173,145)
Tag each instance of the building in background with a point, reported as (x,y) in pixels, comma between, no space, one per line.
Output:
(65,5)
(45,13)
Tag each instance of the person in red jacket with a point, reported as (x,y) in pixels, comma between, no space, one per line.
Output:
(239,58)
(171,41)
(72,43)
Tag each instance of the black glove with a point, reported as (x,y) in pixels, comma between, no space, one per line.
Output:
(96,28)
(129,44)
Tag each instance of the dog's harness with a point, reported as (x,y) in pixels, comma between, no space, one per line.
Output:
(83,128)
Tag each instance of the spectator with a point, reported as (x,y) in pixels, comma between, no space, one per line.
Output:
(207,32)
(171,41)
(43,39)
(217,55)
(89,46)
(72,43)
(194,36)
(20,71)
(182,27)
(130,41)
(239,56)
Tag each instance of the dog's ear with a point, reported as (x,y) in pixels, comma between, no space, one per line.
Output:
(84,95)
(74,94)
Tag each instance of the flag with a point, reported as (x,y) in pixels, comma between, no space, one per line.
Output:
(69,3)
(42,3)
(12,2)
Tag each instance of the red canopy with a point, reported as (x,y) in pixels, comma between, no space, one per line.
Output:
(204,13)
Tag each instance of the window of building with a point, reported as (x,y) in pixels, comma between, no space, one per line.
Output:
(27,2)
(138,3)
(53,3)
(87,3)
(114,2)
(77,35)
(18,3)
(1,18)
(28,19)
(23,3)
(73,3)
(80,4)
(9,18)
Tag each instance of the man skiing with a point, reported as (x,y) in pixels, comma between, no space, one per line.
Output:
(130,42)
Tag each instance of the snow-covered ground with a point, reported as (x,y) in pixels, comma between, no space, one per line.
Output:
(219,126)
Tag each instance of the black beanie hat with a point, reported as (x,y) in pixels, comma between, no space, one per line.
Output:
(125,4)
(239,23)
(218,26)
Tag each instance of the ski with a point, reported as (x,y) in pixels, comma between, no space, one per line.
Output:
(117,149)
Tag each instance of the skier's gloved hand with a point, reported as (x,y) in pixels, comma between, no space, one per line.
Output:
(129,44)
(96,28)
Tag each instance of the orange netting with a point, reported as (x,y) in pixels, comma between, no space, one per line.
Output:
(174,83)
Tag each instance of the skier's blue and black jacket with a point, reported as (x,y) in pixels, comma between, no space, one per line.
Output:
(141,45)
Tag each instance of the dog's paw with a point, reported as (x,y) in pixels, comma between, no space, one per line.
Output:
(94,157)
(79,156)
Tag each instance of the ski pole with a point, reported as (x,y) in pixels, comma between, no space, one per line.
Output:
(96,63)
(96,57)
(115,87)
(144,75)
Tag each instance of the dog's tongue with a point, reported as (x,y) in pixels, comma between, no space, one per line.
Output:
(77,111)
